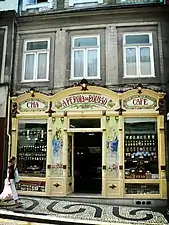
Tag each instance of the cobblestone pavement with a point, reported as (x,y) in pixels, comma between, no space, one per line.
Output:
(44,210)
(16,222)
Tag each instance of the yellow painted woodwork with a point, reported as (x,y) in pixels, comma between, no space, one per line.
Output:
(57,183)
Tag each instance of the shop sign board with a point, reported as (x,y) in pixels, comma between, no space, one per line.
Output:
(140,102)
(85,101)
(33,105)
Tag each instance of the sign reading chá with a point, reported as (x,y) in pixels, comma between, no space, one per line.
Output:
(140,102)
(33,105)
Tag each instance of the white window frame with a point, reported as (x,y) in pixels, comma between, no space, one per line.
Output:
(74,2)
(2,71)
(137,47)
(46,5)
(85,49)
(36,52)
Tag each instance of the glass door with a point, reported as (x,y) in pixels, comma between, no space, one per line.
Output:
(70,160)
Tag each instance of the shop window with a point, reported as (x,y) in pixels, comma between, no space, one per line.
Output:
(32,146)
(138,55)
(36,61)
(141,148)
(85,59)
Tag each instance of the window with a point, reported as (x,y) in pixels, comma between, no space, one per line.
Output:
(138,55)
(82,3)
(85,60)
(141,148)
(36,61)
(32,147)
(36,1)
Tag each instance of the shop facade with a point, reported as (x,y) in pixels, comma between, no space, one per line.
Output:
(90,141)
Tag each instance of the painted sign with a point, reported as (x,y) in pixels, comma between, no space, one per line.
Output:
(85,101)
(140,102)
(33,105)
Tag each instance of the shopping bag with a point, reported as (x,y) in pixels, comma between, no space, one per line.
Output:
(17,179)
(7,192)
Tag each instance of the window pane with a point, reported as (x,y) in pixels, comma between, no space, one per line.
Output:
(141,148)
(78,63)
(32,146)
(37,45)
(131,68)
(92,63)
(42,65)
(137,39)
(145,61)
(30,2)
(29,66)
(82,42)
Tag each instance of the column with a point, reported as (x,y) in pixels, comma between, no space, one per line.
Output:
(121,155)
(14,137)
(65,158)
(104,180)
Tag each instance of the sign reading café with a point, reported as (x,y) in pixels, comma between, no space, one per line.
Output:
(140,102)
(85,101)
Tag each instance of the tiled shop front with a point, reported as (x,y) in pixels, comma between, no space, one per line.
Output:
(93,141)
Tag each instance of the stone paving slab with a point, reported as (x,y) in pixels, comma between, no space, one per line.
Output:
(45,210)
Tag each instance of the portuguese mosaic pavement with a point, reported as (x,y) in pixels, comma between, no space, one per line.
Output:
(44,210)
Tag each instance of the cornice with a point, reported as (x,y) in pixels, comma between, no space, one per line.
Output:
(95,11)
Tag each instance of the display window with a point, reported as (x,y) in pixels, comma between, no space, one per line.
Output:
(32,147)
(141,148)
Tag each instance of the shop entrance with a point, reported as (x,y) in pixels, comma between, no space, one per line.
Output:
(88,162)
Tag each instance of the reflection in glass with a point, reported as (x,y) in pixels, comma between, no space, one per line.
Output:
(137,39)
(85,42)
(79,63)
(42,66)
(92,63)
(131,68)
(37,45)
(29,66)
(145,61)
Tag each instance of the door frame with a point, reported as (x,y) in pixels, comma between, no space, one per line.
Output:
(71,132)
(70,179)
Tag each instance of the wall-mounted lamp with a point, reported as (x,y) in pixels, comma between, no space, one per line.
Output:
(139,88)
(62,119)
(116,118)
(53,119)
(107,118)
(32,91)
(83,84)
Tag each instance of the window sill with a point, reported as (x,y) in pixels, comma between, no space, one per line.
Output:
(80,78)
(131,77)
(33,81)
